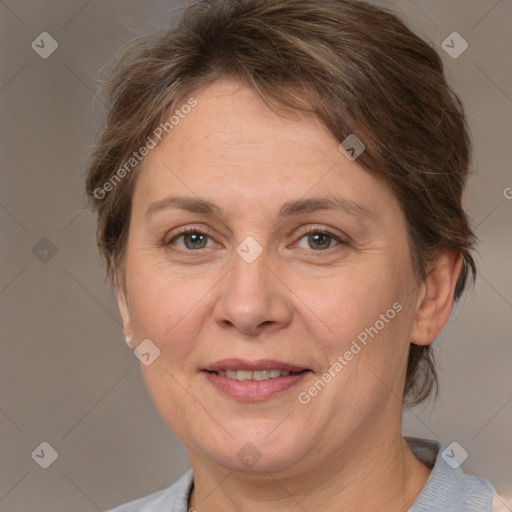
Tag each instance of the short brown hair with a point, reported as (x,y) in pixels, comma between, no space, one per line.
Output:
(356,66)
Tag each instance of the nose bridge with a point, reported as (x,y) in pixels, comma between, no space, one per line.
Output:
(252,296)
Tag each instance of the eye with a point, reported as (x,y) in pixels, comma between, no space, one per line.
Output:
(193,239)
(319,239)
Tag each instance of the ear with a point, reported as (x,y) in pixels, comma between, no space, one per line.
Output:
(125,316)
(435,301)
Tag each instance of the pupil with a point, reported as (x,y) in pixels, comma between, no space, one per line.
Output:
(195,239)
(317,238)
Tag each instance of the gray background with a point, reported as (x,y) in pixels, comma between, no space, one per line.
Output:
(66,375)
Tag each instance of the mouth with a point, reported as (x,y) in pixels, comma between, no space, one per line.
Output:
(257,375)
(253,380)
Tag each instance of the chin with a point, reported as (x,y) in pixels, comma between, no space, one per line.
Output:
(267,455)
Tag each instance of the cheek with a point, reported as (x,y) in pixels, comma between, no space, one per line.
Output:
(363,316)
(353,300)
(164,308)
(167,309)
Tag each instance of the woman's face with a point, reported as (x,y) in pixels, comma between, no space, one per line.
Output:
(267,281)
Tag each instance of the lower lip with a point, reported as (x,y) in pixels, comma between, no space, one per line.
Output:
(254,390)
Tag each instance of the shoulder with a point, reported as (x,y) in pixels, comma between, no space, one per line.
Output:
(448,488)
(173,498)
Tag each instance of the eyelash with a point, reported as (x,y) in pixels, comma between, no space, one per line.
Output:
(305,232)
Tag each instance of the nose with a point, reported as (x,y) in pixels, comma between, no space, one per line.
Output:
(253,299)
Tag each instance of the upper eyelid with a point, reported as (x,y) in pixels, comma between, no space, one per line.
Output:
(319,229)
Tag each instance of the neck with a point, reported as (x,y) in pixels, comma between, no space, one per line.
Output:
(384,475)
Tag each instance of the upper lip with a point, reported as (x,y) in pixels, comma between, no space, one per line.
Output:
(259,364)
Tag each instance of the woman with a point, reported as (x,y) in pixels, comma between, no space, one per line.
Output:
(278,188)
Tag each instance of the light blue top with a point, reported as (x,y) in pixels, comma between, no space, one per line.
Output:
(448,488)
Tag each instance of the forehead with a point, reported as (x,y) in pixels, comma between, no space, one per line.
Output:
(232,123)
(233,144)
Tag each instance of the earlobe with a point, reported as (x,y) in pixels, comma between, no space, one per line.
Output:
(436,298)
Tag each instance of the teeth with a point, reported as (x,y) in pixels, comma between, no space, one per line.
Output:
(243,375)
(257,375)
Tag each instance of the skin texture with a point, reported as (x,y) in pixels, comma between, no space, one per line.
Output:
(302,301)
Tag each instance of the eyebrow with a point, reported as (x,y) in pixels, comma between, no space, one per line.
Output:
(288,209)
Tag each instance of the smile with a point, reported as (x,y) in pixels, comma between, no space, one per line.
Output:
(258,375)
